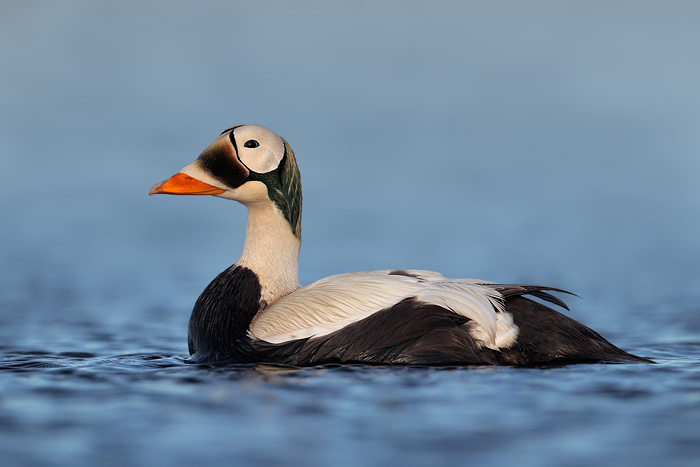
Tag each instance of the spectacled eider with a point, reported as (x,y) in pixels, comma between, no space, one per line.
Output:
(256,310)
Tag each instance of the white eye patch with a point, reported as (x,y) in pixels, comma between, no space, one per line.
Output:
(260,149)
(260,159)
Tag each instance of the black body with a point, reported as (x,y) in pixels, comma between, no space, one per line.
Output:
(410,332)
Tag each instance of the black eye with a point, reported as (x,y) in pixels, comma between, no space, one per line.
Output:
(251,143)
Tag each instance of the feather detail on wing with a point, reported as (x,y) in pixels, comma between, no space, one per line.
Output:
(337,301)
(513,290)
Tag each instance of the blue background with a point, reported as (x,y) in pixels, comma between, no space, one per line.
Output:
(543,142)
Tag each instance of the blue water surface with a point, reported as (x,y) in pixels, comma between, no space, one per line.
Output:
(541,142)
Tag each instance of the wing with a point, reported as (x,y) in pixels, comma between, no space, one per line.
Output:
(419,317)
(338,301)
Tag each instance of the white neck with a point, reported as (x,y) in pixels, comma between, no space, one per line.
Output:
(271,251)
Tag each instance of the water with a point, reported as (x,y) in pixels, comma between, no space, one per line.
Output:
(539,142)
(145,409)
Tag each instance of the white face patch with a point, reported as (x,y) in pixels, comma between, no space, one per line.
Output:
(260,149)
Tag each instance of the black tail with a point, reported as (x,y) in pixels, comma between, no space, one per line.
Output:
(546,336)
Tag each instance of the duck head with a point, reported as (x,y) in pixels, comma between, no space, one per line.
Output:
(246,163)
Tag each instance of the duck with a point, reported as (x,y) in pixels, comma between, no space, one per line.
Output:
(256,311)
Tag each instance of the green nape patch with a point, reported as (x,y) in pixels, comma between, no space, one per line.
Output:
(284,188)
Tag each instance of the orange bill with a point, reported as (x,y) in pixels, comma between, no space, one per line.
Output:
(181,184)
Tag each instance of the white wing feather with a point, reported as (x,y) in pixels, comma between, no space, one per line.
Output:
(337,301)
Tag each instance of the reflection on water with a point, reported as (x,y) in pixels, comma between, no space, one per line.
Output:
(125,408)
